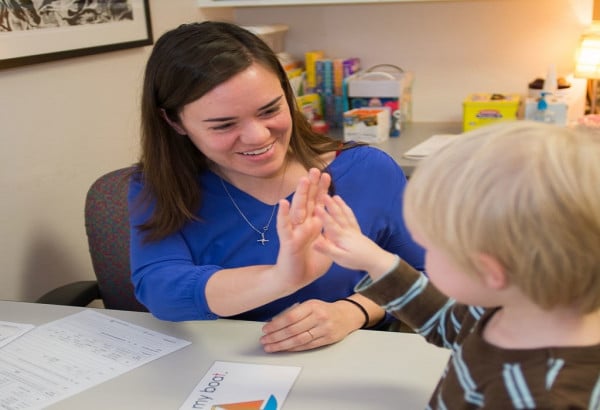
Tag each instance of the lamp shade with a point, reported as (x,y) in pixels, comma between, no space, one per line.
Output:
(588,56)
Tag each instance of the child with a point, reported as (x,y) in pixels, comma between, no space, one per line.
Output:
(509,216)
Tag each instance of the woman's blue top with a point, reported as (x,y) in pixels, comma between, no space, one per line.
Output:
(170,275)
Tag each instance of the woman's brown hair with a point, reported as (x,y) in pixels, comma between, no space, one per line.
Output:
(185,64)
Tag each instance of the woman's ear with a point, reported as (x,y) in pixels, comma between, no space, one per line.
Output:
(491,270)
(173,124)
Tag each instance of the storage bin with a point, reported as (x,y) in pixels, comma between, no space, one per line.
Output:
(272,34)
(485,108)
(382,85)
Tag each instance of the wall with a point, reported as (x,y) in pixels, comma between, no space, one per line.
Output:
(65,123)
(454,48)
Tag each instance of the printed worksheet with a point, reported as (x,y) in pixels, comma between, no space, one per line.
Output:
(247,386)
(66,356)
(9,331)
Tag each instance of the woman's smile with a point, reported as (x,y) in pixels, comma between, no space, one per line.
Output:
(257,152)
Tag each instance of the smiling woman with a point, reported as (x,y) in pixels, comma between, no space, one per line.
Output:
(225,158)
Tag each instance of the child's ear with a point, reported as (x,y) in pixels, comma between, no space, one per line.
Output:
(173,124)
(491,270)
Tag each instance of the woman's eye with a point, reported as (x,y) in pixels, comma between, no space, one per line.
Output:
(223,126)
(271,110)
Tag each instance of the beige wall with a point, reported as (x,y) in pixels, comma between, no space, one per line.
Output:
(453,47)
(64,123)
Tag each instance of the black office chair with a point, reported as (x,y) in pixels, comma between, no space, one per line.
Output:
(107,229)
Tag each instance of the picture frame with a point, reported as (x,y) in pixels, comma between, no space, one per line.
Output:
(59,29)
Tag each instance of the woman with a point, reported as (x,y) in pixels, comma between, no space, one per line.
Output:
(222,143)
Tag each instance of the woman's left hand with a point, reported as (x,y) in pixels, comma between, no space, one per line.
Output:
(308,325)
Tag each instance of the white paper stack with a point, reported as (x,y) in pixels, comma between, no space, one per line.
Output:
(429,146)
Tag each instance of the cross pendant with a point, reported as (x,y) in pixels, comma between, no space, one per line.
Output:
(262,239)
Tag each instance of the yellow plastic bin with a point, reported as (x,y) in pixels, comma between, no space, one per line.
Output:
(481,109)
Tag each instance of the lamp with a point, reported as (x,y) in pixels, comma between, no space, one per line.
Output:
(588,63)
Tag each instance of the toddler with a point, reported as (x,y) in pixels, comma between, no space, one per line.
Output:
(509,216)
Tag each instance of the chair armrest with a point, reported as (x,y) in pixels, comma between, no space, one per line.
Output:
(80,293)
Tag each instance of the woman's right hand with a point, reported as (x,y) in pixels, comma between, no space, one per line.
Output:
(232,291)
(298,263)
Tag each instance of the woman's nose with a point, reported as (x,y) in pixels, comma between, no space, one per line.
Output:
(255,131)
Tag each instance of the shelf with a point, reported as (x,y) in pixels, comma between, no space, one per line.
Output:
(266,3)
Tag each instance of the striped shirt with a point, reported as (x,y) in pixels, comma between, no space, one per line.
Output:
(480,375)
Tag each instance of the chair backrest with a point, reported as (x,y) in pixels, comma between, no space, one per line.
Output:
(107,228)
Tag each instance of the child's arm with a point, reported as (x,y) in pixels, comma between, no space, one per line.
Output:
(411,298)
(392,283)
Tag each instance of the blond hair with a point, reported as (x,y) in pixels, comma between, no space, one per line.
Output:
(525,193)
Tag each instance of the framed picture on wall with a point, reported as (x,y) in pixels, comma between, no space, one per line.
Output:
(37,31)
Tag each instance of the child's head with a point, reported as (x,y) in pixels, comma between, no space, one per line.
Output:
(525,193)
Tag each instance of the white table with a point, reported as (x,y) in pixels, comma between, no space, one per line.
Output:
(368,370)
(412,134)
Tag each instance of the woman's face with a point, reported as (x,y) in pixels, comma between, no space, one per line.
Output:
(243,125)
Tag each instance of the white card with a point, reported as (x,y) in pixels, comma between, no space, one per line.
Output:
(430,146)
(232,385)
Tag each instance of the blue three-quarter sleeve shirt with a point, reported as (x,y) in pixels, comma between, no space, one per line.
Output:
(170,275)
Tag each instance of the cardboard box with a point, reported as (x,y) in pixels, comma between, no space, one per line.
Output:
(383,85)
(485,108)
(310,106)
(369,125)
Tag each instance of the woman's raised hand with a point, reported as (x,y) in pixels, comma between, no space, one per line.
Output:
(298,227)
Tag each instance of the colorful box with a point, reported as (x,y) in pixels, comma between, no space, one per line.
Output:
(383,85)
(310,105)
(369,125)
(310,58)
(485,108)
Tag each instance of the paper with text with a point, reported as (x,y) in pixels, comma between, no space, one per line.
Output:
(247,386)
(66,356)
(9,331)
(429,146)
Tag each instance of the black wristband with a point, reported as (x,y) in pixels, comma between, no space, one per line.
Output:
(362,309)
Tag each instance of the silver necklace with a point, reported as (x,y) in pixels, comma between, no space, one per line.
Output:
(265,228)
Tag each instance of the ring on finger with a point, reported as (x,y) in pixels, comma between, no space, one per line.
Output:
(311,335)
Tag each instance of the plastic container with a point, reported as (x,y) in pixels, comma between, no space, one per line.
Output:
(382,85)
(543,114)
(272,34)
(485,108)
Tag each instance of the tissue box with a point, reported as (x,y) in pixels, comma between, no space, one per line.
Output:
(485,108)
(371,125)
(557,111)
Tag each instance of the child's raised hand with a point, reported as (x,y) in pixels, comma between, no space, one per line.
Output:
(344,242)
